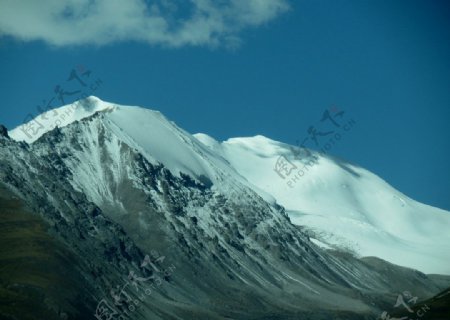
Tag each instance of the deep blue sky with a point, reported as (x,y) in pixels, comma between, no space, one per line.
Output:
(385,63)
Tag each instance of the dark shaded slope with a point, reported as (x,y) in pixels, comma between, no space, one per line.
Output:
(436,308)
(39,276)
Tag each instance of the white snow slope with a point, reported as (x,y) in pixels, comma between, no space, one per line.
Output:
(344,205)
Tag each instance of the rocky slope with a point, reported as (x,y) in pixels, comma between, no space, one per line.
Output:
(153,237)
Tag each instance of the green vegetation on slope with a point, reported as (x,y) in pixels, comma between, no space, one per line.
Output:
(39,276)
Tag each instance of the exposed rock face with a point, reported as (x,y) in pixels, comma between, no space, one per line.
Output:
(3,131)
(152,245)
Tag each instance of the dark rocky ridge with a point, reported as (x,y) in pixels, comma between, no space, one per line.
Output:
(3,131)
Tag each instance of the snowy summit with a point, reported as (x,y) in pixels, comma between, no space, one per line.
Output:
(343,206)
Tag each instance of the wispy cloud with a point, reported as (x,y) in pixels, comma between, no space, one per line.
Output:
(172,23)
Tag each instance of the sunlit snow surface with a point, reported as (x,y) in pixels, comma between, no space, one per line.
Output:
(346,206)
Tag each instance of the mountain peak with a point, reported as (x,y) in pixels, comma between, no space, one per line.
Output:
(346,207)
(89,103)
(145,130)
(59,117)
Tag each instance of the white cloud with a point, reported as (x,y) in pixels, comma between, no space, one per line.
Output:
(166,22)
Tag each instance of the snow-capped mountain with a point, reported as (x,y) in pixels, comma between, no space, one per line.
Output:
(115,184)
(344,205)
(148,132)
